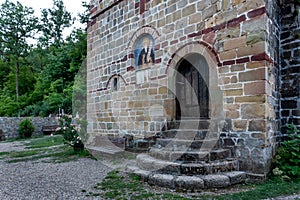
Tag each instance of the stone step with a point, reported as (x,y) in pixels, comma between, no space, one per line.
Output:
(149,163)
(190,124)
(190,156)
(190,183)
(105,151)
(187,134)
(183,144)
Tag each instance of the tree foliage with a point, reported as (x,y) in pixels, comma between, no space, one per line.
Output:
(38,79)
(17,25)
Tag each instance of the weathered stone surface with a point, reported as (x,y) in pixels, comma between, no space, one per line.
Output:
(252,111)
(163,180)
(10,125)
(239,41)
(189,182)
(236,177)
(235,43)
(254,99)
(216,181)
(255,88)
(257,125)
(254,75)
(237,92)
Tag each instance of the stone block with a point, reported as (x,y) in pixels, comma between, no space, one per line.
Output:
(232,114)
(163,180)
(188,10)
(253,111)
(144,175)
(255,25)
(177,15)
(195,18)
(236,177)
(257,125)
(237,2)
(189,183)
(237,92)
(216,181)
(235,43)
(209,12)
(163,90)
(255,38)
(251,99)
(235,68)
(253,75)
(257,64)
(203,4)
(228,55)
(253,49)
(255,88)
(239,125)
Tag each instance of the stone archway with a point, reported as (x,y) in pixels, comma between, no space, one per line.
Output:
(192,83)
(206,63)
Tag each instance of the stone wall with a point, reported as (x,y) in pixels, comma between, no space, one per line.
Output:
(238,39)
(10,125)
(290,64)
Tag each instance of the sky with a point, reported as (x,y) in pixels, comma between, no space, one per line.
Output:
(73,6)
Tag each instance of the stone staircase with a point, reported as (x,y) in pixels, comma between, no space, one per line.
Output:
(188,155)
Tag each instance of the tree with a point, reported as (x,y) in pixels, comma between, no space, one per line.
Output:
(17,25)
(54,21)
(84,17)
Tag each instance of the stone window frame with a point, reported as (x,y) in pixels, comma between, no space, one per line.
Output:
(115,86)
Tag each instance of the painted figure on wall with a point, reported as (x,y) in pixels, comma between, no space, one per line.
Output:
(144,52)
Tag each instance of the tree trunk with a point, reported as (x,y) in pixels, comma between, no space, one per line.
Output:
(17,81)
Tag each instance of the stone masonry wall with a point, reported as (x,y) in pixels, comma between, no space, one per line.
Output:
(239,40)
(290,64)
(10,125)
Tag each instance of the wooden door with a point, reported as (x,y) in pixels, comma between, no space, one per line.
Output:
(191,91)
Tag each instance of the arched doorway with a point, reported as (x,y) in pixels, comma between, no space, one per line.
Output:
(192,83)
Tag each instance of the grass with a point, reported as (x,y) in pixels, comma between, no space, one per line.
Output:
(50,147)
(21,154)
(272,188)
(45,142)
(120,186)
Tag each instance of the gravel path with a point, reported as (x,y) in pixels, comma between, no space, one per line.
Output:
(40,180)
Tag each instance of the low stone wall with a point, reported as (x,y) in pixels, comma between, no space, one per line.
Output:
(10,125)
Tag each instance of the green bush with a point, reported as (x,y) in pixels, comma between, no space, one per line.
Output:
(70,133)
(26,128)
(287,160)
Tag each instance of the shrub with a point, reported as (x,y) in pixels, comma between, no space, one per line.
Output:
(26,128)
(70,133)
(287,160)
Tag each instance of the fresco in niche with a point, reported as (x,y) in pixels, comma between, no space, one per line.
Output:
(144,52)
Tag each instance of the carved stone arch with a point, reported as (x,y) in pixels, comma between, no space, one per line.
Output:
(140,58)
(141,31)
(204,52)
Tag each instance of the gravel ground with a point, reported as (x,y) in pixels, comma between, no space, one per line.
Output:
(36,180)
(41,180)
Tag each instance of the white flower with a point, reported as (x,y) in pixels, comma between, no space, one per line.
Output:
(51,135)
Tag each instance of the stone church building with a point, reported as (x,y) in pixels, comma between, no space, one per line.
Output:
(204,88)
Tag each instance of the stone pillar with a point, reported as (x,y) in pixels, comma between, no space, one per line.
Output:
(250,85)
(290,64)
